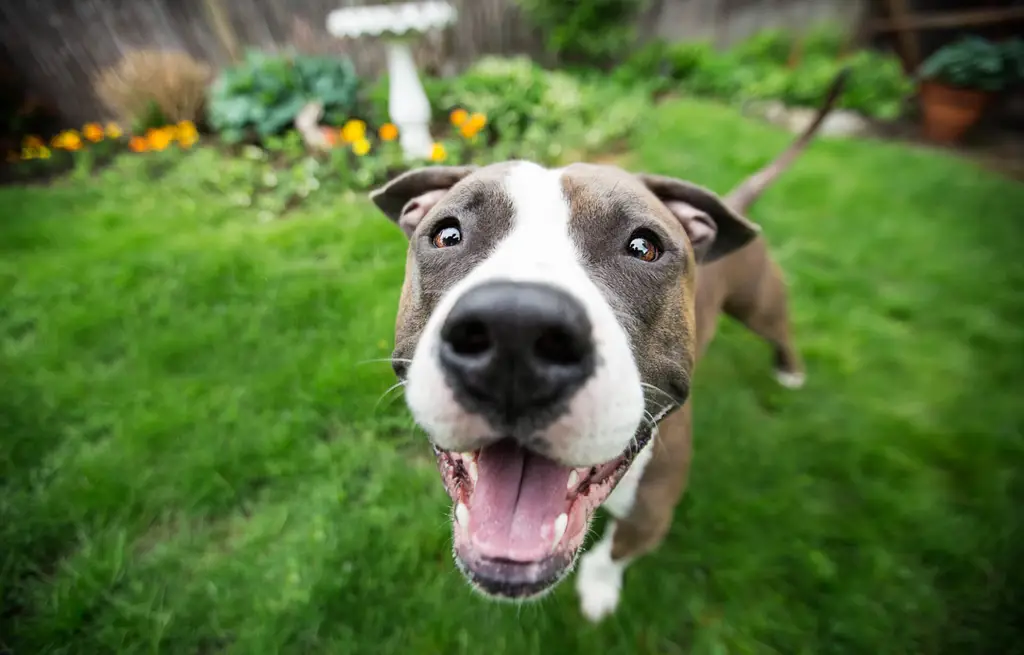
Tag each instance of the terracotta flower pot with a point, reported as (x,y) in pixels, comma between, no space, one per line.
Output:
(950,111)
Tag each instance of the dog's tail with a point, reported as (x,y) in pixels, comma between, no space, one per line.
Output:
(750,189)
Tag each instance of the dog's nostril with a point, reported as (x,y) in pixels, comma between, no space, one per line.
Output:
(558,346)
(469,338)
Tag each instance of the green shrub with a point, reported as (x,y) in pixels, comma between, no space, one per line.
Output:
(585,31)
(971,62)
(548,111)
(877,85)
(824,40)
(765,47)
(266,91)
(721,75)
(1013,54)
(660,66)
(685,58)
(809,81)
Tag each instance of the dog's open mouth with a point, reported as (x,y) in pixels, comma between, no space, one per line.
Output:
(520,518)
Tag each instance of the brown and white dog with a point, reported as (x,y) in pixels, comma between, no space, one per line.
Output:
(547,334)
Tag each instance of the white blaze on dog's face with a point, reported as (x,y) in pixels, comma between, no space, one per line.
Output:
(548,317)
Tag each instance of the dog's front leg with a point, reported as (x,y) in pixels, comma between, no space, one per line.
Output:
(641,509)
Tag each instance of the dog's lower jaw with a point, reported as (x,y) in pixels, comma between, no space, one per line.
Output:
(503,591)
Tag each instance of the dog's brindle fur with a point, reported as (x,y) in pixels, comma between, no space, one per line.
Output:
(671,327)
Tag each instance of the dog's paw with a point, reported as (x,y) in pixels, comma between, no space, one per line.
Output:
(598,584)
(791,379)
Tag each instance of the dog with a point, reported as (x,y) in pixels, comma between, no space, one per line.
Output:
(547,333)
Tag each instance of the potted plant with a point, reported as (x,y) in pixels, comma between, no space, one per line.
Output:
(957,83)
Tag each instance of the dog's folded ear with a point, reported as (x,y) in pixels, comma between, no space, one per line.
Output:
(714,228)
(410,196)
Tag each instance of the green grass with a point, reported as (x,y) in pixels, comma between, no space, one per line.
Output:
(193,461)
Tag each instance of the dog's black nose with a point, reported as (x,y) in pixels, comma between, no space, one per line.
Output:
(513,351)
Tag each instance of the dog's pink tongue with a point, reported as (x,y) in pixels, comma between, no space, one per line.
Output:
(517,498)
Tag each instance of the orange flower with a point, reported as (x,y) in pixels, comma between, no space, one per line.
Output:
(93,132)
(388,132)
(438,153)
(158,139)
(138,144)
(458,117)
(353,130)
(32,142)
(472,125)
(361,147)
(114,131)
(330,135)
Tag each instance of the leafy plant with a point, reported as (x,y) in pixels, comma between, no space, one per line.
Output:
(549,112)
(149,88)
(971,62)
(721,75)
(825,40)
(266,92)
(585,31)
(1013,54)
(771,46)
(877,85)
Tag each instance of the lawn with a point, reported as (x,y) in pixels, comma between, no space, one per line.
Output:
(193,458)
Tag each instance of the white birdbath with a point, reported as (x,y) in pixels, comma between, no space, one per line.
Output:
(400,25)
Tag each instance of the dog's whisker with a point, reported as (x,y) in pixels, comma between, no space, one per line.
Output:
(658,389)
(398,385)
(384,360)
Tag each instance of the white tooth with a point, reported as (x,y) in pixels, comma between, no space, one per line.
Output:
(561,523)
(462,515)
(471,468)
(574,479)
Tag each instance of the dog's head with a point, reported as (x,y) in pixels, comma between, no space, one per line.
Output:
(546,323)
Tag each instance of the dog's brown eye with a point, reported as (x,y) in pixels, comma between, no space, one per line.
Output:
(447,235)
(644,246)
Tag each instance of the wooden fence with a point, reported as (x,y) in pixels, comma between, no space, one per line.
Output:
(59,47)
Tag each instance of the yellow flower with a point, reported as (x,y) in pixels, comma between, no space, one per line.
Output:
(67,140)
(138,144)
(361,147)
(458,117)
(353,130)
(478,120)
(438,153)
(159,139)
(114,131)
(93,132)
(468,130)
(388,132)
(32,142)
(44,152)
(28,153)
(187,134)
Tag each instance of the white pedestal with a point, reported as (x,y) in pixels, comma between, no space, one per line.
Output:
(398,25)
(408,105)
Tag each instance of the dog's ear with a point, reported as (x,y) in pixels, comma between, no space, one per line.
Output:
(407,198)
(714,229)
